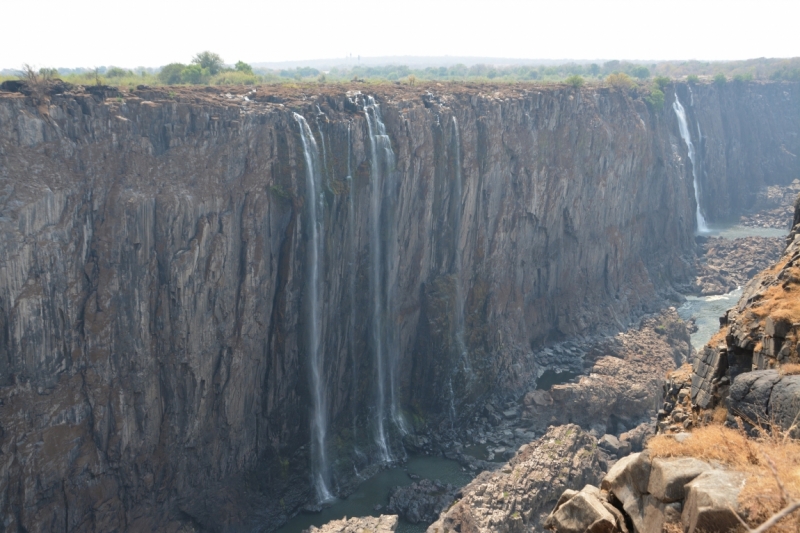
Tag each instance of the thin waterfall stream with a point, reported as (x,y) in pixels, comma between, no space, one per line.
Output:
(319,459)
(683,126)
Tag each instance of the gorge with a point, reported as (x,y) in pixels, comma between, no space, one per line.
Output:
(217,308)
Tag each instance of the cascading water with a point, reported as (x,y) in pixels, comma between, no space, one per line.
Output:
(382,162)
(375,278)
(351,286)
(459,262)
(683,126)
(319,459)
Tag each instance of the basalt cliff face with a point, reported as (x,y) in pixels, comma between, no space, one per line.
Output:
(204,298)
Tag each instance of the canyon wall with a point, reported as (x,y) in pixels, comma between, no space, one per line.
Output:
(154,276)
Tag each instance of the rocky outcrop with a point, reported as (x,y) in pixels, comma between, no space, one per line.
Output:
(726,264)
(422,501)
(763,398)
(519,495)
(154,356)
(367,524)
(761,332)
(774,206)
(649,494)
(622,388)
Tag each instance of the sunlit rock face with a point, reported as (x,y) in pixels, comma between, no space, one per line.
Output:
(154,358)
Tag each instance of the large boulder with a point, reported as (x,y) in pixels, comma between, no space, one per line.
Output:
(582,513)
(628,480)
(784,404)
(668,477)
(710,500)
(749,394)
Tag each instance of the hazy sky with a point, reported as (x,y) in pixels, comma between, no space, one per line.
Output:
(59,33)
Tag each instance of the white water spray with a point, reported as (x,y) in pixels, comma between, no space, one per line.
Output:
(683,126)
(319,422)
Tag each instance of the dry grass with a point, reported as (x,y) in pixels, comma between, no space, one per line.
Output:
(682,374)
(718,338)
(762,495)
(719,416)
(781,301)
(790,369)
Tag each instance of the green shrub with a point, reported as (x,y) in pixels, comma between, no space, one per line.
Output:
(171,74)
(209,61)
(575,80)
(620,80)
(740,78)
(720,79)
(641,72)
(241,66)
(116,72)
(693,79)
(655,98)
(662,81)
(194,74)
(234,77)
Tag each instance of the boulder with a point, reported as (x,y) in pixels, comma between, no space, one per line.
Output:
(750,394)
(614,446)
(582,513)
(784,403)
(668,476)
(710,498)
(627,481)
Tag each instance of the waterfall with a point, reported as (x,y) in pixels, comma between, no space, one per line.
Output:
(351,283)
(458,265)
(683,126)
(382,162)
(319,459)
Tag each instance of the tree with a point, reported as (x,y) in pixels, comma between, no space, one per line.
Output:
(693,79)
(241,66)
(194,74)
(48,73)
(662,81)
(575,80)
(655,98)
(116,72)
(171,74)
(720,79)
(208,60)
(641,72)
(620,80)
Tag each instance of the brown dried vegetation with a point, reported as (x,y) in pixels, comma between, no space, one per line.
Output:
(771,463)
